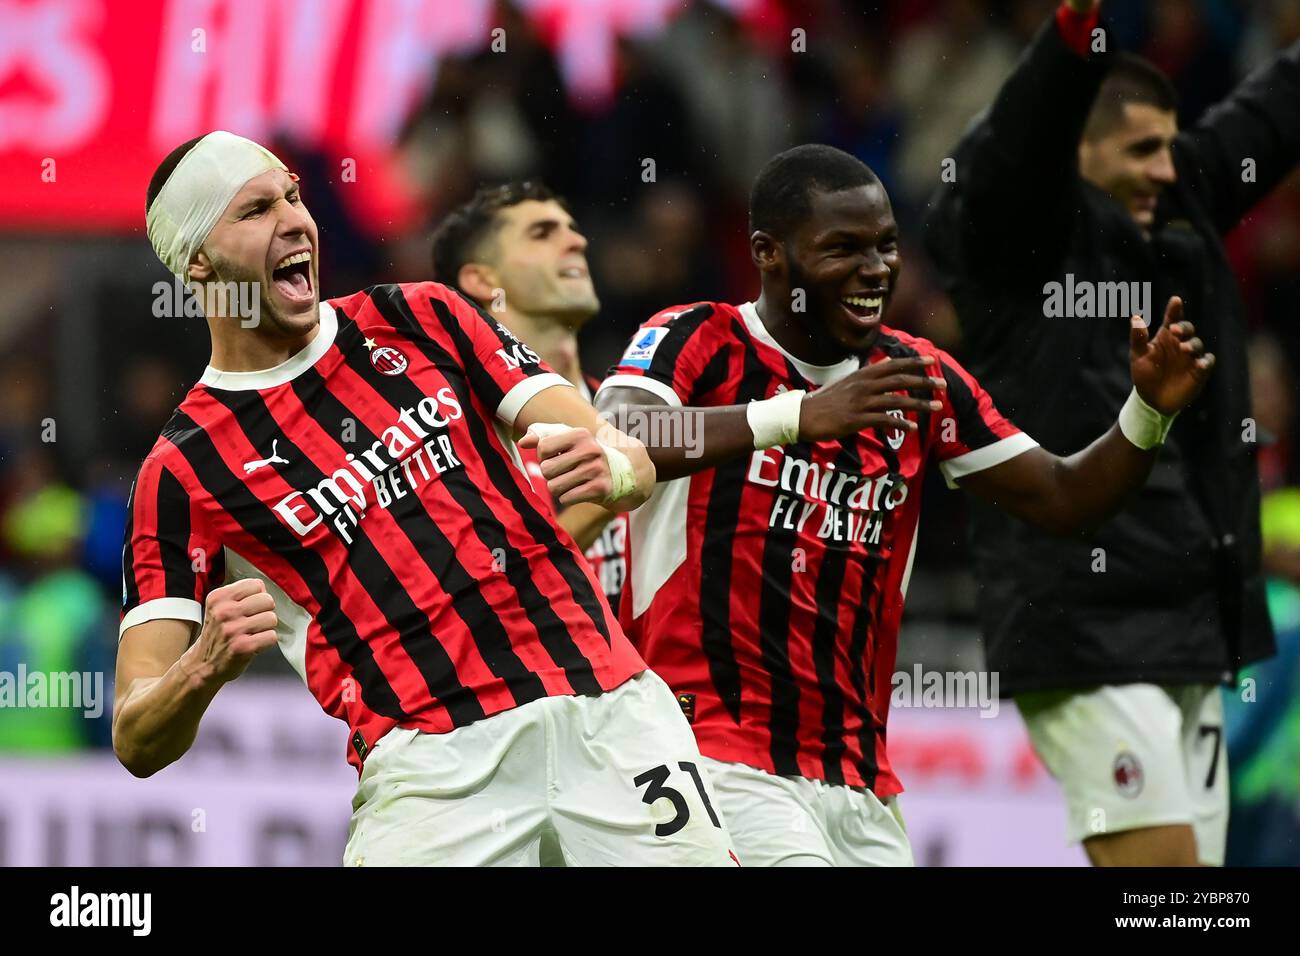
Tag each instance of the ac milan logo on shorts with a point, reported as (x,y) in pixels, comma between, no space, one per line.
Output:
(1128,775)
(388,360)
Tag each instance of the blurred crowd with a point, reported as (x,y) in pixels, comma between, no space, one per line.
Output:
(657,176)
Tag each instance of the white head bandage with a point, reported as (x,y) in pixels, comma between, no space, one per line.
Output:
(198,192)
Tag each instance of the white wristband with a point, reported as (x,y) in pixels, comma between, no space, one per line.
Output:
(1142,424)
(621,473)
(775,420)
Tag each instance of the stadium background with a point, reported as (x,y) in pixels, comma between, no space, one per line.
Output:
(392,111)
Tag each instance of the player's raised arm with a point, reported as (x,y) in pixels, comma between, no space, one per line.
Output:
(859,401)
(1016,170)
(1066,495)
(165,684)
(1256,123)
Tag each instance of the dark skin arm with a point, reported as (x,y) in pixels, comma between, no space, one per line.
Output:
(1062,495)
(1074,494)
(1069,495)
(1018,175)
(723,432)
(856,402)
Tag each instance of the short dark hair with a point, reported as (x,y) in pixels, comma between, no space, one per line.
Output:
(165,169)
(460,236)
(781,197)
(1131,79)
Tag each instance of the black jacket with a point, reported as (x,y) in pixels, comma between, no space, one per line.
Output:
(1181,598)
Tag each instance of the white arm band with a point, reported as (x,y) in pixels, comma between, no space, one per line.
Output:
(621,473)
(1142,424)
(775,420)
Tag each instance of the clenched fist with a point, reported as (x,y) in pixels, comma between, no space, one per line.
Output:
(577,469)
(238,623)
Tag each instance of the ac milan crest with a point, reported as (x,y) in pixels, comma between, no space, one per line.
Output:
(1128,774)
(388,360)
(896,436)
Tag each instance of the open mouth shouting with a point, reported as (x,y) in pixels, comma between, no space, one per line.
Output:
(292,278)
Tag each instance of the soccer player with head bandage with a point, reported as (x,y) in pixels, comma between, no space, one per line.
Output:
(340,482)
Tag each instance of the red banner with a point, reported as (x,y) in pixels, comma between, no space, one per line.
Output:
(94,93)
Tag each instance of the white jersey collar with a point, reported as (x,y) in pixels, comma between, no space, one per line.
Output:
(287,370)
(817,374)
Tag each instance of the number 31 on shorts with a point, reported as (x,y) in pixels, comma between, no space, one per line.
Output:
(655,782)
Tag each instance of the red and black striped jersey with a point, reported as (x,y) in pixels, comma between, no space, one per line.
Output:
(370,480)
(768,591)
(606,554)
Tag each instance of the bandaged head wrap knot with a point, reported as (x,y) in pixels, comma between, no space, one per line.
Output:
(198,192)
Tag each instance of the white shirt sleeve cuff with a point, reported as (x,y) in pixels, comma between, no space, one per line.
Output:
(519,396)
(176,609)
(981,458)
(646,384)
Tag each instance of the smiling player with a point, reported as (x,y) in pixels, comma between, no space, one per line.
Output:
(767,575)
(346,464)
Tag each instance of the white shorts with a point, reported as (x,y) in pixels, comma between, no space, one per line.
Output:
(794,821)
(1134,756)
(603,780)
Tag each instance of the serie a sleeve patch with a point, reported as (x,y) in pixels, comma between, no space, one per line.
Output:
(642,349)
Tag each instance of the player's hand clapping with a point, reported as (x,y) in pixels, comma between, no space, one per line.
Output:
(865,398)
(1171,369)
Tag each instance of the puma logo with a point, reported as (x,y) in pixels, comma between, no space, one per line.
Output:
(252,466)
